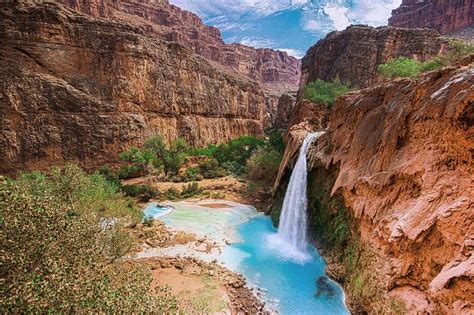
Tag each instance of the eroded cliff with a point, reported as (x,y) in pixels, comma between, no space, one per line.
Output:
(354,54)
(275,69)
(446,16)
(74,87)
(391,192)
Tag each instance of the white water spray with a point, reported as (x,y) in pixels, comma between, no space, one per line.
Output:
(291,238)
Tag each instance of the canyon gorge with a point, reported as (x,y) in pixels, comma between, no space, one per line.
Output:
(387,167)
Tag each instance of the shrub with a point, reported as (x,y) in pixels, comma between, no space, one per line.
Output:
(263,165)
(57,258)
(460,49)
(190,190)
(143,192)
(275,139)
(211,169)
(233,156)
(321,91)
(130,171)
(432,64)
(172,193)
(207,151)
(400,67)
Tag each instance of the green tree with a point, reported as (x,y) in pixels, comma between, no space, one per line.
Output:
(60,247)
(321,91)
(400,67)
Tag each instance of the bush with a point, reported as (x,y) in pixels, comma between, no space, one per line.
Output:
(190,190)
(130,171)
(210,169)
(460,49)
(172,193)
(263,166)
(143,192)
(400,67)
(432,64)
(233,156)
(321,91)
(57,258)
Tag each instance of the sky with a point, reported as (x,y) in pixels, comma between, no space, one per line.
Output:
(288,25)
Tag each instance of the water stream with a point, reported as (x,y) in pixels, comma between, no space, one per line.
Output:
(291,238)
(288,271)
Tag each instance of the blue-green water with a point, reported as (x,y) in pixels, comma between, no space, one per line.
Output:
(289,285)
(292,284)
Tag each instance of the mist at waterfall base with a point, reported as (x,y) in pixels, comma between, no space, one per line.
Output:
(282,263)
(291,238)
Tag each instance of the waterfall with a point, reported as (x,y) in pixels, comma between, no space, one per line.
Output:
(291,238)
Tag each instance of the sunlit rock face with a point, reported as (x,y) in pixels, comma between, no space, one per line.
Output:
(274,69)
(78,88)
(354,54)
(446,16)
(402,155)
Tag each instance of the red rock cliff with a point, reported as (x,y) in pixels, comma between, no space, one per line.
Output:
(73,87)
(403,159)
(275,69)
(353,55)
(445,16)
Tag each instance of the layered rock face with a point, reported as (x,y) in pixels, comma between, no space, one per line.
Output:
(402,153)
(73,87)
(446,16)
(275,69)
(354,54)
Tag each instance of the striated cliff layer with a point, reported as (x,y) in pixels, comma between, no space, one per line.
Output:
(398,159)
(354,54)
(73,87)
(446,16)
(275,69)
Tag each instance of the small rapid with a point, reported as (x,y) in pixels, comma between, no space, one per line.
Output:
(291,239)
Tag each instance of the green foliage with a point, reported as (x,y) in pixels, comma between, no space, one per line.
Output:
(321,91)
(233,156)
(400,67)
(211,169)
(172,193)
(460,49)
(59,256)
(275,140)
(84,193)
(154,157)
(143,192)
(206,151)
(432,64)
(190,190)
(263,166)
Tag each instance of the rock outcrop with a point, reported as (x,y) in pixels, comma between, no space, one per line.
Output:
(353,55)
(446,16)
(74,87)
(274,69)
(402,158)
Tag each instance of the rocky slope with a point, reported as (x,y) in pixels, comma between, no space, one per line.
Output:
(446,16)
(73,87)
(275,69)
(396,163)
(353,55)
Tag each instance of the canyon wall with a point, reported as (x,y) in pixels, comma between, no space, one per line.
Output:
(446,16)
(398,158)
(74,87)
(354,54)
(274,69)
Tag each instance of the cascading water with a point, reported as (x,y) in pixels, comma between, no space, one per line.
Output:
(291,236)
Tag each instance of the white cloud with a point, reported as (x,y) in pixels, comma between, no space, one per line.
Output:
(312,25)
(292,52)
(256,42)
